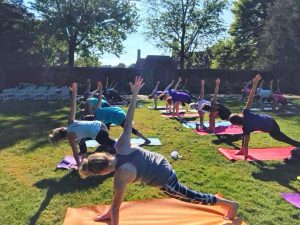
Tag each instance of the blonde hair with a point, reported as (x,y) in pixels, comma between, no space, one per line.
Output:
(57,134)
(94,164)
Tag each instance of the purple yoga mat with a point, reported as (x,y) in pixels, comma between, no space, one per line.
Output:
(293,198)
(67,163)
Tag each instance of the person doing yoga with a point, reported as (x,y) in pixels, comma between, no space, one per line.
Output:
(112,115)
(200,103)
(134,164)
(78,132)
(257,122)
(216,109)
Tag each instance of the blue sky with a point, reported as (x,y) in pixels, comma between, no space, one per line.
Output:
(137,41)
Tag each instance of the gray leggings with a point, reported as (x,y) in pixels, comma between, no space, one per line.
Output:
(177,190)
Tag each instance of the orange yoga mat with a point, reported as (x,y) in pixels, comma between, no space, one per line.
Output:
(153,212)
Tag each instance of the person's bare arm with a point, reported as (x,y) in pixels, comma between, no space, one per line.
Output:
(249,103)
(278,86)
(214,98)
(71,117)
(246,140)
(170,85)
(271,86)
(72,141)
(178,82)
(99,90)
(213,107)
(123,143)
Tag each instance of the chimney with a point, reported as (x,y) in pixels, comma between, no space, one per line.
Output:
(138,54)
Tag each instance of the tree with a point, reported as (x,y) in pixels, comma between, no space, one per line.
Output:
(223,55)
(88,61)
(18,34)
(246,30)
(281,36)
(184,26)
(89,25)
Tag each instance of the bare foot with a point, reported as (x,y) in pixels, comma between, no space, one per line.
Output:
(232,211)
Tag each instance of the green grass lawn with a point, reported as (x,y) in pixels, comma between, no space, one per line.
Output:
(33,192)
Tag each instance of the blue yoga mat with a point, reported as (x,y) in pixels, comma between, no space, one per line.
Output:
(192,124)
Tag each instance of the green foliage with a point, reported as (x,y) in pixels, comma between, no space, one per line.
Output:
(88,25)
(246,30)
(281,37)
(33,192)
(223,55)
(88,61)
(18,46)
(184,27)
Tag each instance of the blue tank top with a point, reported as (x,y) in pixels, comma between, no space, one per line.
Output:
(152,168)
(110,115)
(84,129)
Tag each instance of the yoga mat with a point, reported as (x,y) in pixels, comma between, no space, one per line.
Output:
(293,198)
(158,107)
(221,130)
(192,124)
(163,111)
(91,144)
(67,163)
(182,115)
(139,141)
(260,154)
(152,212)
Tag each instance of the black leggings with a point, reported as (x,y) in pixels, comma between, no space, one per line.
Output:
(179,191)
(102,138)
(279,136)
(134,131)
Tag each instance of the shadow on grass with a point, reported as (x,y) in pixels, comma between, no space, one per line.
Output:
(21,121)
(68,184)
(228,139)
(281,173)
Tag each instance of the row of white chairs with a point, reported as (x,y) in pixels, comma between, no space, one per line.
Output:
(33,93)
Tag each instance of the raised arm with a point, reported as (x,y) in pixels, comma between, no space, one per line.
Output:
(115,85)
(183,87)
(99,90)
(106,84)
(71,117)
(170,85)
(214,98)
(202,89)
(247,85)
(271,85)
(178,82)
(261,84)
(249,103)
(124,140)
(278,86)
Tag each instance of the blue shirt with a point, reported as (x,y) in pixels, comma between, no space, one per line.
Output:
(93,102)
(110,115)
(254,122)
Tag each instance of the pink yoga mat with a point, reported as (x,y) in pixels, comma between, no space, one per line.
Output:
(293,198)
(222,130)
(183,115)
(260,154)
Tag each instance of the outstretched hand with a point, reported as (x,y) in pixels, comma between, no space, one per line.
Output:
(257,78)
(73,87)
(138,84)
(202,82)
(218,81)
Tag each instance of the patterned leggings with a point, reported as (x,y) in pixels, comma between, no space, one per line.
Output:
(177,190)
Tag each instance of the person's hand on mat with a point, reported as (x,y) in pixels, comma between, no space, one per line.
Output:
(138,84)
(104,216)
(73,87)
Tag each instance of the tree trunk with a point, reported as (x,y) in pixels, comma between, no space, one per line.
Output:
(72,46)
